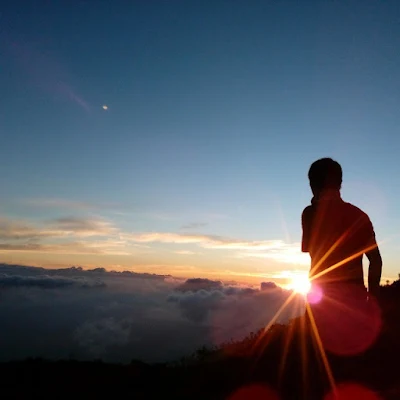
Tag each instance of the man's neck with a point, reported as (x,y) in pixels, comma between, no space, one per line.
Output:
(328,194)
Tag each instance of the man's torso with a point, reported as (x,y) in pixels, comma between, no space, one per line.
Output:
(336,234)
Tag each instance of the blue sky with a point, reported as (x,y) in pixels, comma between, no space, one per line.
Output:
(216,109)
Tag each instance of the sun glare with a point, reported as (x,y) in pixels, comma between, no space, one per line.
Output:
(300,284)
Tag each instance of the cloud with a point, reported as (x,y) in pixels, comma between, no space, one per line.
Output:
(16,230)
(195,225)
(21,247)
(46,282)
(196,284)
(82,226)
(196,305)
(61,227)
(206,241)
(287,253)
(66,204)
(277,250)
(168,237)
(105,247)
(67,235)
(123,315)
(268,286)
(98,336)
(231,312)
(89,235)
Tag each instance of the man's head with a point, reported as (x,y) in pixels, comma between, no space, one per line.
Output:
(325,174)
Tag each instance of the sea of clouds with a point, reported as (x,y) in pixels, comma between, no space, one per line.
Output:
(120,316)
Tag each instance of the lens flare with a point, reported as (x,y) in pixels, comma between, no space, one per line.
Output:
(352,391)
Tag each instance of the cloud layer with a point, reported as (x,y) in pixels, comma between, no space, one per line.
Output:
(119,316)
(46,282)
(98,236)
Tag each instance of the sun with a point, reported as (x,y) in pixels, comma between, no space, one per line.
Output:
(300,284)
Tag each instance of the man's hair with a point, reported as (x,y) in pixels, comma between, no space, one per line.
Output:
(325,173)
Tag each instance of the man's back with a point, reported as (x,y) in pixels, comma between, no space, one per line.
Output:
(336,234)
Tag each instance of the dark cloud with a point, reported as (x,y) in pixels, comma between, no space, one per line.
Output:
(74,271)
(196,305)
(232,312)
(22,247)
(68,247)
(268,285)
(196,284)
(124,315)
(46,282)
(97,336)
(17,230)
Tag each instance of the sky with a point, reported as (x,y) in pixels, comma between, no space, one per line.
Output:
(214,111)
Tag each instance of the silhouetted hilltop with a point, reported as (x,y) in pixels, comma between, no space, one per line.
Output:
(279,364)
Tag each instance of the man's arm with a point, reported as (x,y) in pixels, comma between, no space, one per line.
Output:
(375,262)
(374,271)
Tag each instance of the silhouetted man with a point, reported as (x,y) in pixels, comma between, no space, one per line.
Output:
(337,234)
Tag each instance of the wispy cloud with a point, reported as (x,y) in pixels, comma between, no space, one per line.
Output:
(69,226)
(67,204)
(194,225)
(185,252)
(90,235)
(206,241)
(68,235)
(169,237)
(288,253)
(277,250)
(17,229)
(83,226)
(104,247)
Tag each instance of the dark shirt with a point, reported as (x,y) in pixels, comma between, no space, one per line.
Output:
(336,232)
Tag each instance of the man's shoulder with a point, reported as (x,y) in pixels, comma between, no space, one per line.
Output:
(307,211)
(355,210)
(355,214)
